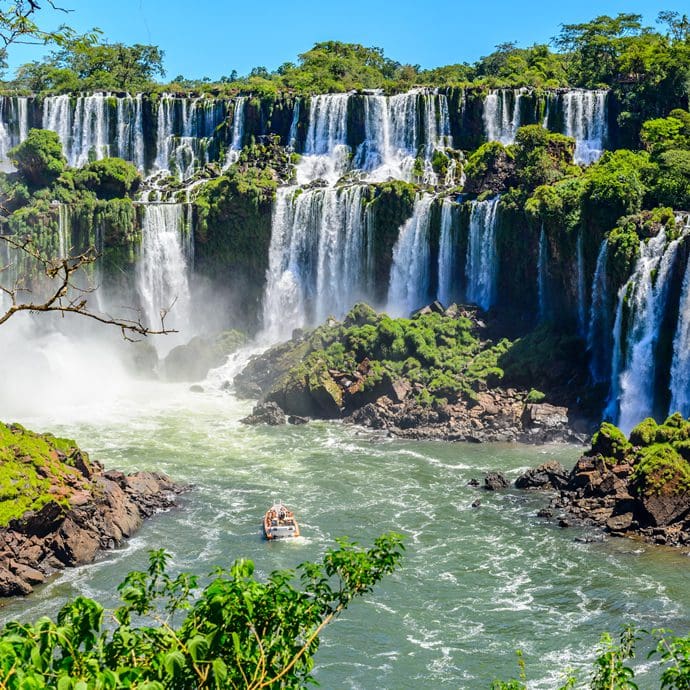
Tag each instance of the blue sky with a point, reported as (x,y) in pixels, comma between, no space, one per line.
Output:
(213,37)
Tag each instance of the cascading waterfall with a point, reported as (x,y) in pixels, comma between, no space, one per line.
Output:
(317,258)
(237,132)
(446,255)
(130,130)
(14,126)
(325,149)
(480,265)
(581,288)
(163,270)
(542,263)
(409,280)
(599,329)
(584,116)
(632,390)
(501,122)
(292,136)
(680,365)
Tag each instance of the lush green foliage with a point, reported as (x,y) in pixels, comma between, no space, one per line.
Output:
(85,63)
(39,158)
(239,632)
(34,469)
(442,353)
(109,178)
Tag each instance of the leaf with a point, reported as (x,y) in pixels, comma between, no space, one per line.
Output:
(220,671)
(174,661)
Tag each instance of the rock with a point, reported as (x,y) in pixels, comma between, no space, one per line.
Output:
(11,585)
(620,523)
(476,504)
(265,413)
(193,361)
(495,481)
(666,507)
(563,523)
(196,388)
(549,475)
(544,513)
(473,482)
(544,416)
(297,420)
(39,523)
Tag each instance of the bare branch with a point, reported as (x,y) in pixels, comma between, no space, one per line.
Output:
(65,296)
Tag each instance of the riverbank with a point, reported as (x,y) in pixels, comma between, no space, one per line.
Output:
(59,508)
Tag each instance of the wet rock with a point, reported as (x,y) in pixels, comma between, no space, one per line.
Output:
(476,504)
(563,523)
(473,482)
(545,513)
(495,481)
(297,420)
(549,475)
(193,361)
(620,523)
(265,413)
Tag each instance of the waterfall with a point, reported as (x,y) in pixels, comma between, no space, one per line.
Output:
(446,255)
(237,132)
(584,116)
(325,149)
(480,265)
(130,130)
(162,270)
(581,288)
(14,127)
(318,257)
(500,123)
(238,123)
(680,366)
(57,116)
(64,232)
(292,137)
(542,263)
(645,292)
(599,330)
(164,131)
(409,281)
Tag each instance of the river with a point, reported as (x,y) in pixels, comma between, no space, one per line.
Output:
(475,585)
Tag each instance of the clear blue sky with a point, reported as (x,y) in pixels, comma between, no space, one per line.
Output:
(213,37)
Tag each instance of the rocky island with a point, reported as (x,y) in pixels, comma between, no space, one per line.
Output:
(440,374)
(634,487)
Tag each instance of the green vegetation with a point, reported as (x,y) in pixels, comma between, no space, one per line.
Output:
(39,158)
(237,632)
(441,354)
(658,453)
(34,470)
(611,670)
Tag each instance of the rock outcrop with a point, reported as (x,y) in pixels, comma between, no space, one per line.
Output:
(75,508)
(436,375)
(637,487)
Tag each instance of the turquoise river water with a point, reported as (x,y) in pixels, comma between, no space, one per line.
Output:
(476,583)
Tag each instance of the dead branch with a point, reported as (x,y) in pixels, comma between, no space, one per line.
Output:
(65,296)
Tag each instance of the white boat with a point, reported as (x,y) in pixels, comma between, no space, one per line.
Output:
(280,523)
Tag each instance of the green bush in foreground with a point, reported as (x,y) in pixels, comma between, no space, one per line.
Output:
(238,633)
(611,670)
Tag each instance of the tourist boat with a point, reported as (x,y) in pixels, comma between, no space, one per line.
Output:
(280,523)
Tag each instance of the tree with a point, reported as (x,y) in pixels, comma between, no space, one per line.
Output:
(239,633)
(109,178)
(39,158)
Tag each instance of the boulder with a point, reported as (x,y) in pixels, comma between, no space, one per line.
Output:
(620,523)
(297,420)
(265,413)
(495,481)
(666,508)
(544,416)
(193,361)
(549,475)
